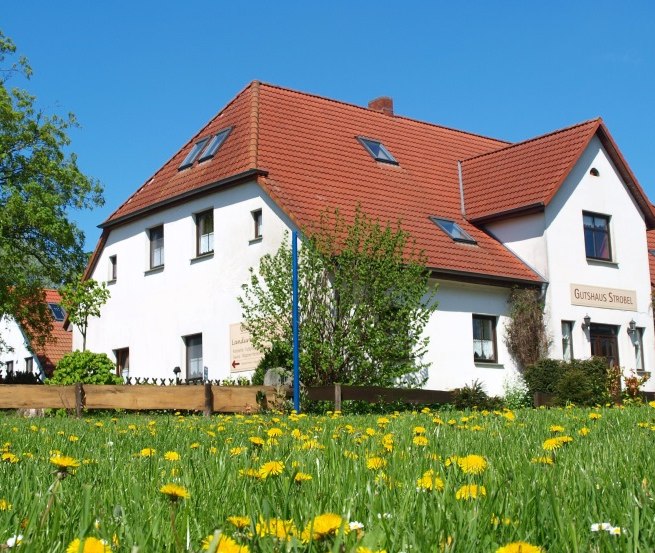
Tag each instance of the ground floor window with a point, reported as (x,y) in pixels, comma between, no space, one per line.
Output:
(193,356)
(638,342)
(122,361)
(9,365)
(567,340)
(29,364)
(484,339)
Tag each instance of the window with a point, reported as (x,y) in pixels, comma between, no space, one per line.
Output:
(205,232)
(9,365)
(58,313)
(29,364)
(484,339)
(156,246)
(214,144)
(597,236)
(638,342)
(193,356)
(122,361)
(567,341)
(452,229)
(193,154)
(377,150)
(113,272)
(258,222)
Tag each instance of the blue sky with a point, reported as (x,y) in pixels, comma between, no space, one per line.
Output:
(142,76)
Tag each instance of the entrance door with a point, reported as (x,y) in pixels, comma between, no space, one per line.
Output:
(604,343)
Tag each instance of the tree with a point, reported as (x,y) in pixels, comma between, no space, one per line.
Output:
(364,301)
(40,247)
(81,300)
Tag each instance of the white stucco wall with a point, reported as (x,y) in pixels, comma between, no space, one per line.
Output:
(151,312)
(15,348)
(451,337)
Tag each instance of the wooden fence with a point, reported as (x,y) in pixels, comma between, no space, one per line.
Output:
(206,398)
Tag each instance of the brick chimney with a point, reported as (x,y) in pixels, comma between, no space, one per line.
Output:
(383,104)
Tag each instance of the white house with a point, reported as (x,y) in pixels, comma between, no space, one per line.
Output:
(561,212)
(20,355)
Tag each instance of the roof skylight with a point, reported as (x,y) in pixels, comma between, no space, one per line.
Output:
(377,150)
(193,154)
(57,311)
(214,144)
(452,229)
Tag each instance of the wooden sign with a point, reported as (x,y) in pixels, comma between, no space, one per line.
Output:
(607,298)
(243,355)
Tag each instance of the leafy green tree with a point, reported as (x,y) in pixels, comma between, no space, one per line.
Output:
(364,301)
(84,367)
(40,247)
(83,299)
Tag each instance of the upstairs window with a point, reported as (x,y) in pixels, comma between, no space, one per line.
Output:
(156,235)
(597,236)
(58,313)
(257,223)
(484,339)
(214,144)
(452,229)
(205,232)
(113,268)
(194,153)
(377,150)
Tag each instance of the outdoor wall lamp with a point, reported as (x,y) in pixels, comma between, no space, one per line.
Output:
(177,372)
(632,327)
(586,322)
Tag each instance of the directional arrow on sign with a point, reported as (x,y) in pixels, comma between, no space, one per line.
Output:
(234,364)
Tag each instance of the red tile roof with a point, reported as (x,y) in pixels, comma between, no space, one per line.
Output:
(306,156)
(60,341)
(651,258)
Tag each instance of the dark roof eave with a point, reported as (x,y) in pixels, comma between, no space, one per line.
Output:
(484,279)
(207,188)
(509,213)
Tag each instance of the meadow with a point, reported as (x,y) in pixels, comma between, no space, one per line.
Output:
(557,480)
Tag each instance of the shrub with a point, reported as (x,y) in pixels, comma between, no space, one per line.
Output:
(575,386)
(280,355)
(516,393)
(473,396)
(85,367)
(20,378)
(543,376)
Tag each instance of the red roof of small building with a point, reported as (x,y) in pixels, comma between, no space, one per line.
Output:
(304,152)
(60,341)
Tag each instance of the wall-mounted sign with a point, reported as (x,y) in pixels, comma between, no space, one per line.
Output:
(243,355)
(608,298)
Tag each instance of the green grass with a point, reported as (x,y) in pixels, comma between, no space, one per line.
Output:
(605,476)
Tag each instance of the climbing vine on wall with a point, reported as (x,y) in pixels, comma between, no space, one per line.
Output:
(526,336)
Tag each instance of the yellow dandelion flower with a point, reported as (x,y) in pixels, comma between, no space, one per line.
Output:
(595,416)
(509,415)
(225,545)
(542,460)
(322,526)
(519,547)
(235,451)
(554,428)
(274,432)
(73,438)
(437,421)
(301,477)
(276,528)
(312,444)
(420,441)
(419,430)
(5,505)
(88,545)
(430,482)
(256,440)
(174,491)
(239,522)
(172,456)
(272,468)
(583,431)
(470,491)
(452,422)
(382,421)
(375,463)
(64,463)
(147,452)
(555,443)
(9,458)
(652,404)
(387,442)
(472,464)
(370,432)
(363,549)
(250,473)
(194,445)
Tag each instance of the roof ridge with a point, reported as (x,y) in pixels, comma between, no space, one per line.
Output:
(598,120)
(367,110)
(165,164)
(253,147)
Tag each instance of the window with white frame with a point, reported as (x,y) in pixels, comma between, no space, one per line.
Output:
(205,232)
(29,364)
(484,339)
(193,356)
(113,268)
(156,235)
(638,342)
(257,224)
(567,340)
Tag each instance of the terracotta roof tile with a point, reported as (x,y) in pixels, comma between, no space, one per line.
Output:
(651,256)
(60,341)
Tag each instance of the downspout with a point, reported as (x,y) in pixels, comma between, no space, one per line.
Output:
(544,289)
(461,188)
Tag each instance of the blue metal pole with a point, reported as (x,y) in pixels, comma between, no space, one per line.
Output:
(296,363)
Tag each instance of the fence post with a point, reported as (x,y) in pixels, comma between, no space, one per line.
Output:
(79,400)
(337,397)
(209,400)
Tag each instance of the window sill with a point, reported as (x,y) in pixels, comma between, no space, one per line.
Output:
(154,270)
(602,263)
(112,281)
(201,257)
(256,240)
(489,365)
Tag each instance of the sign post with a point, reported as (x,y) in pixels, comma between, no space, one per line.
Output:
(296,363)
